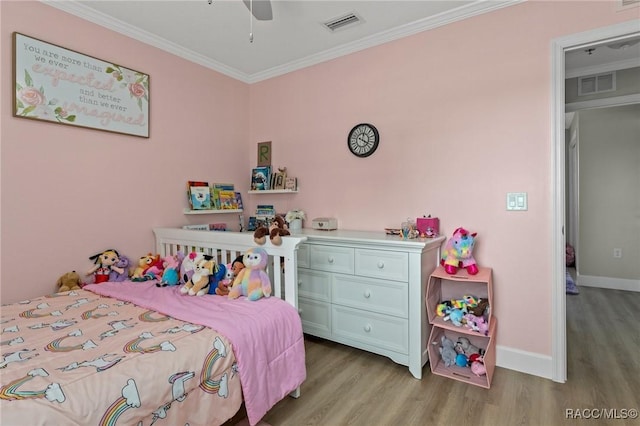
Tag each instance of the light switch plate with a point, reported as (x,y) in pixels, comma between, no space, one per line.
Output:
(517,201)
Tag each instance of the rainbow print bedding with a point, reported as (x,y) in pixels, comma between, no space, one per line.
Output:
(149,356)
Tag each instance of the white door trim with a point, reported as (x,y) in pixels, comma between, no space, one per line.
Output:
(558,294)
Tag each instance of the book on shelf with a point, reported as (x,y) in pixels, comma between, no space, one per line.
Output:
(200,198)
(239,201)
(228,200)
(261,178)
(191,183)
(265,211)
(215,193)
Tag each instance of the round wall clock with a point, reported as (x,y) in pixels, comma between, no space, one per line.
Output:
(363,140)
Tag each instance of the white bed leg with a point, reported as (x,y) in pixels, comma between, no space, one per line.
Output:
(295,393)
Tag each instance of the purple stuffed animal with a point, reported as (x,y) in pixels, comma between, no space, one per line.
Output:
(115,275)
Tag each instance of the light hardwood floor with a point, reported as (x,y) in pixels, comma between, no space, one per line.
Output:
(346,386)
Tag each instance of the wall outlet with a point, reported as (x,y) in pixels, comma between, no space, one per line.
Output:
(617,253)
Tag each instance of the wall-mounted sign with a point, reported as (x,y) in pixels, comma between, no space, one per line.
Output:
(63,86)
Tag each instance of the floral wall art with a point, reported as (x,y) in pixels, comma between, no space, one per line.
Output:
(62,86)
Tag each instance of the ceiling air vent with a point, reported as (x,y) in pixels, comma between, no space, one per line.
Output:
(342,21)
(590,85)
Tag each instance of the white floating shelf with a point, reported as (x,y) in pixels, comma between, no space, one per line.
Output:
(217,211)
(274,191)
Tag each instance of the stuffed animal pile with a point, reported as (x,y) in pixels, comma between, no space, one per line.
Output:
(462,353)
(470,311)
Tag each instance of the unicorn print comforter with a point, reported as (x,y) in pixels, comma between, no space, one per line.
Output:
(87,359)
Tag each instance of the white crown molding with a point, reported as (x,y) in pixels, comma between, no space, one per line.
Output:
(99,18)
(458,14)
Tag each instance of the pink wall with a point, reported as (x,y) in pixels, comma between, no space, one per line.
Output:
(70,192)
(464,114)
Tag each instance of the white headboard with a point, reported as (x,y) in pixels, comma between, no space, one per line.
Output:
(226,246)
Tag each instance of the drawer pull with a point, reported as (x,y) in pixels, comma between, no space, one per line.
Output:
(330,260)
(367,328)
(380,264)
(367,294)
(299,283)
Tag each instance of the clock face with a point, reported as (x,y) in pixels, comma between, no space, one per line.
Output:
(363,140)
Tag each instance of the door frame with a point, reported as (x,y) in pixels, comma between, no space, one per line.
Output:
(558,293)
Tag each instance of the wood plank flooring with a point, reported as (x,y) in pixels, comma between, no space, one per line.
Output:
(347,386)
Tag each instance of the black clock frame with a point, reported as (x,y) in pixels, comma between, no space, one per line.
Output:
(376,140)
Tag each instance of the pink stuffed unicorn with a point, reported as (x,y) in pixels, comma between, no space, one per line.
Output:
(458,253)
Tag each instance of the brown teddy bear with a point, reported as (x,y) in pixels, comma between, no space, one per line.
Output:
(69,281)
(277,229)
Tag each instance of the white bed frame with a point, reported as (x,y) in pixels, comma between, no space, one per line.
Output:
(226,246)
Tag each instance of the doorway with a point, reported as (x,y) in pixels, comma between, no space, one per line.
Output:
(558,202)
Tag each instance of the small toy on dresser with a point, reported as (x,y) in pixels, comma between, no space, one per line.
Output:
(104,263)
(458,253)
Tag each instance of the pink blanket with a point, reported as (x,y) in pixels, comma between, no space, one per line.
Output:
(266,335)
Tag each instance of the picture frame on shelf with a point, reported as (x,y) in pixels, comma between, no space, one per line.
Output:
(291,183)
(279,180)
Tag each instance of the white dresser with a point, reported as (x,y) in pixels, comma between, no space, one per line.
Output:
(367,290)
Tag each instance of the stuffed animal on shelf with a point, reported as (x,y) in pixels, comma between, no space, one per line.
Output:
(171,273)
(456,316)
(478,368)
(115,275)
(104,263)
(464,345)
(447,351)
(252,281)
(462,360)
(198,284)
(69,281)
(276,230)
(144,263)
(458,252)
(476,323)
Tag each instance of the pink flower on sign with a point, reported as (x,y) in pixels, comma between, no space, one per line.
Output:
(31,96)
(137,90)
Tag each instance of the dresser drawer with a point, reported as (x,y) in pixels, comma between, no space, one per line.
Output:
(316,317)
(381,331)
(331,258)
(382,296)
(303,256)
(388,265)
(314,284)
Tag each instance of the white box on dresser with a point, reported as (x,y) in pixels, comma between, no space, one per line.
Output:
(367,290)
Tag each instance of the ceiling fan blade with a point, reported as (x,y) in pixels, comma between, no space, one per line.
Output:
(261,9)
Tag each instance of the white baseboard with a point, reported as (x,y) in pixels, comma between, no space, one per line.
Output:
(525,362)
(607,282)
